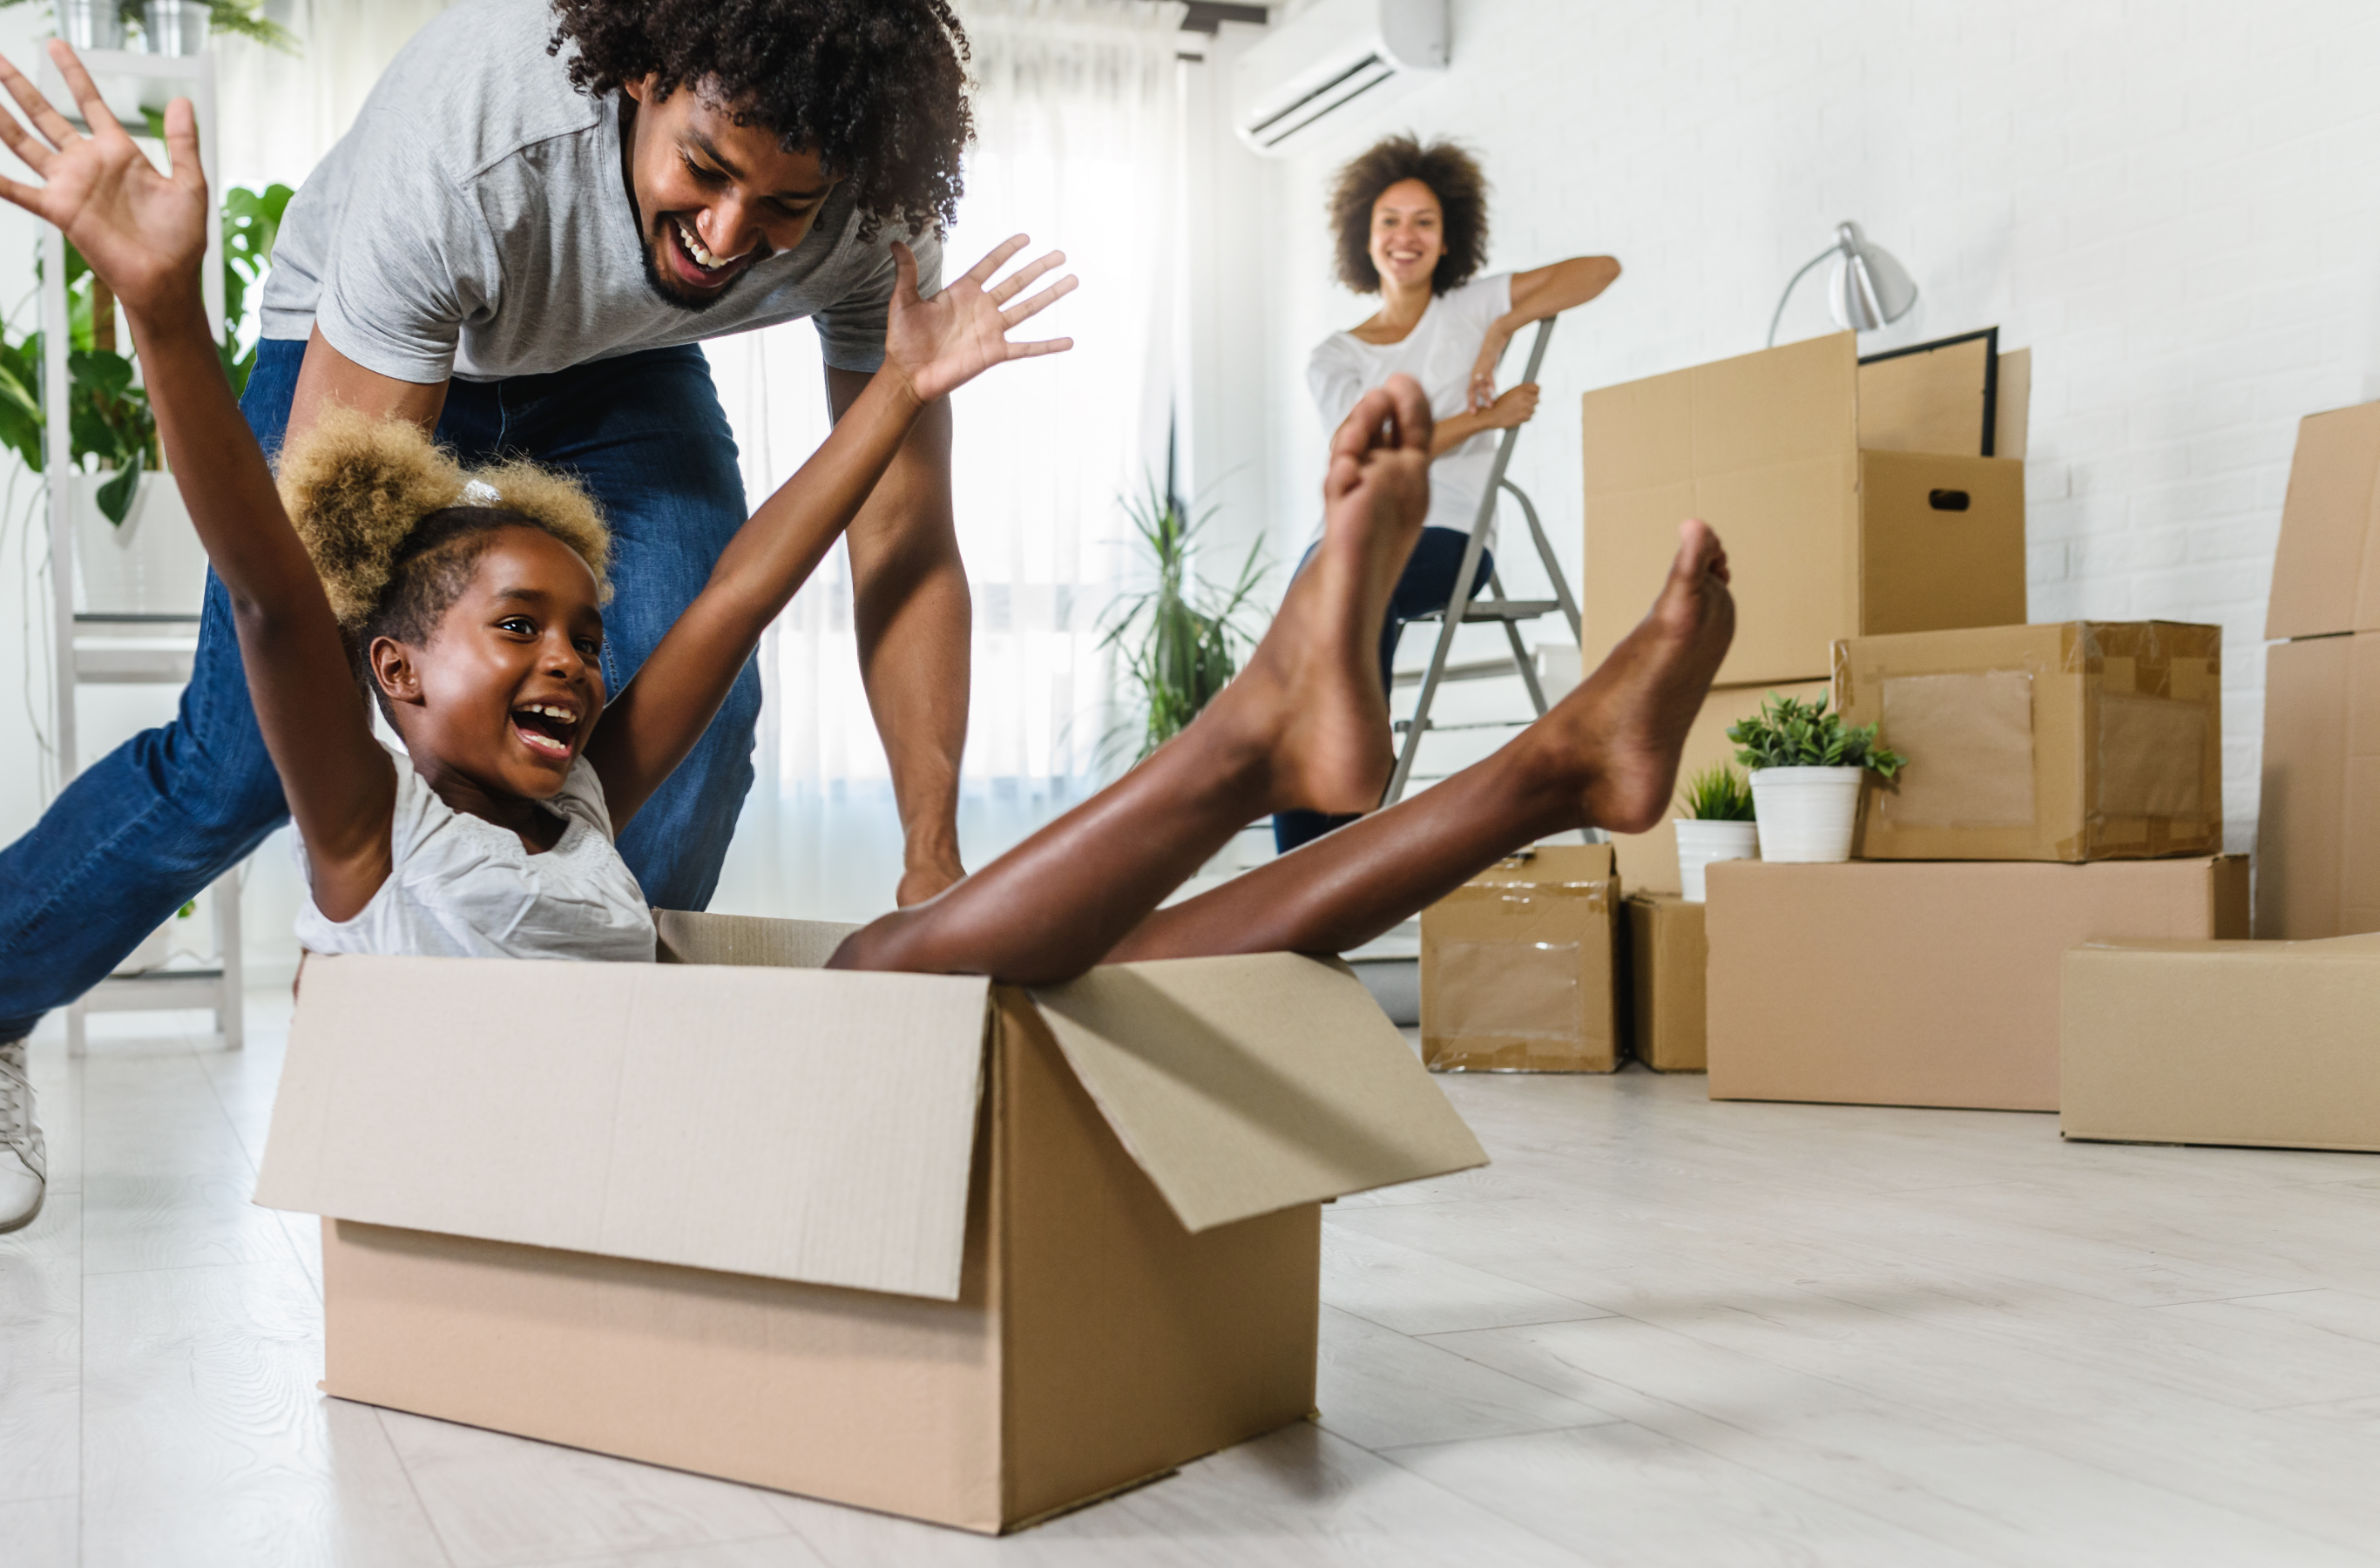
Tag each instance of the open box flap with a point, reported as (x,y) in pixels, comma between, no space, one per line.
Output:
(789,1123)
(1248,1085)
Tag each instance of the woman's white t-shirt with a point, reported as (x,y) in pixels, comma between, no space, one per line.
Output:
(461,887)
(1439,353)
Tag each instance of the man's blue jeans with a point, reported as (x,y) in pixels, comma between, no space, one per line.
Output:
(146,828)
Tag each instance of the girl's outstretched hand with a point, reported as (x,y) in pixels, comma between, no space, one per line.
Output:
(943,343)
(143,232)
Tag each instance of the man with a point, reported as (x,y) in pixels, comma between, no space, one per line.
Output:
(542,208)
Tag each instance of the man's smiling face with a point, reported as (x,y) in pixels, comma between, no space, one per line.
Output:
(712,197)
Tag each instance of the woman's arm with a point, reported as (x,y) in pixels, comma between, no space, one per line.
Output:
(931,347)
(145,234)
(1517,406)
(1536,294)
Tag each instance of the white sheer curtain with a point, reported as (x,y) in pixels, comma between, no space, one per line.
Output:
(1075,105)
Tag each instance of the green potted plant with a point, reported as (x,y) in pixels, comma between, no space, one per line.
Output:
(148,559)
(1717,824)
(1807,767)
(1181,638)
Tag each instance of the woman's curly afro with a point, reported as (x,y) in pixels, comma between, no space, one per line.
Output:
(1452,177)
(878,88)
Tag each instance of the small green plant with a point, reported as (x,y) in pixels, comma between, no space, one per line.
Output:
(1180,638)
(1788,732)
(1717,793)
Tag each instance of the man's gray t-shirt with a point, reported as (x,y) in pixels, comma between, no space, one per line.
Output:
(475,222)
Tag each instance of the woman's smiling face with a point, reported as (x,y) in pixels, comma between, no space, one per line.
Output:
(1408,234)
(508,689)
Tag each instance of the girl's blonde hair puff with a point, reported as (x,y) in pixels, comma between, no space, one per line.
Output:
(356,486)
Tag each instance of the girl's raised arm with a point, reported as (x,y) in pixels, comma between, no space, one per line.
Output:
(145,234)
(931,347)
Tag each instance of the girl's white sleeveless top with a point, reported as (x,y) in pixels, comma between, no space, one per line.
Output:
(460,887)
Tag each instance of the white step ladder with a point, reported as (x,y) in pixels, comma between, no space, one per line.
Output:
(1508,613)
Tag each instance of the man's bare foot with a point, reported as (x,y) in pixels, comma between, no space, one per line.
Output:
(1311,692)
(1614,742)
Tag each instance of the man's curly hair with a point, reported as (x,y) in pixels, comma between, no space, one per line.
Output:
(1452,177)
(877,88)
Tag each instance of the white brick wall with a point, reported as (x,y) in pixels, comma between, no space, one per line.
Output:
(2176,205)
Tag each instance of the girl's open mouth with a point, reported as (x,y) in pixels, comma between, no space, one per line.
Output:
(546,728)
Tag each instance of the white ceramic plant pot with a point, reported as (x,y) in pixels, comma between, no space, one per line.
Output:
(151,563)
(1700,843)
(1806,813)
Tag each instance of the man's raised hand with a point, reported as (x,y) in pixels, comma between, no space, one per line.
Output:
(943,343)
(141,231)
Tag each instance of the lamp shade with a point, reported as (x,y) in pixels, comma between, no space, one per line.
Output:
(1868,288)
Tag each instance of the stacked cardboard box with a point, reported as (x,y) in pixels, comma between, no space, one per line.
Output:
(1926,982)
(2318,831)
(1854,498)
(917,1243)
(1518,966)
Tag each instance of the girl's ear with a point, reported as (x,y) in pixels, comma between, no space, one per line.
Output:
(391,670)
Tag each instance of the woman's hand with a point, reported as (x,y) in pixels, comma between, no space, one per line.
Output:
(941,344)
(1517,407)
(1483,372)
(144,233)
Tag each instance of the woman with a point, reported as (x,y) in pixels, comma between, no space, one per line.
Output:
(1411,224)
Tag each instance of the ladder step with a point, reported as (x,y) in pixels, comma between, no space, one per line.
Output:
(1500,609)
(1473,670)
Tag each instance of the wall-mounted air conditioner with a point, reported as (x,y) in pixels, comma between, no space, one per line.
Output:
(1329,61)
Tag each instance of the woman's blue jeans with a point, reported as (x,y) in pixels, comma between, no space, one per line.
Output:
(142,831)
(1424,589)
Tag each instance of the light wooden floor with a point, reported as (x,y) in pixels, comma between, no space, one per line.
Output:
(1656,1331)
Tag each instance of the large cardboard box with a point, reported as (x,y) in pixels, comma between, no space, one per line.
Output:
(1668,955)
(1926,982)
(1517,967)
(2079,740)
(2327,567)
(917,1242)
(1648,861)
(1828,537)
(2318,827)
(2273,1043)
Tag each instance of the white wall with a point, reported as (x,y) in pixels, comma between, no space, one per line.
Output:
(2176,205)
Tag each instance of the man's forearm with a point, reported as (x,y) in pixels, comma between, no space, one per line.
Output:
(915,622)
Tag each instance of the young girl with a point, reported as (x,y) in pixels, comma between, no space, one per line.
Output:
(470,604)
(480,643)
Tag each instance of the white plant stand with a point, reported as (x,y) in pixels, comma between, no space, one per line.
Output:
(100,646)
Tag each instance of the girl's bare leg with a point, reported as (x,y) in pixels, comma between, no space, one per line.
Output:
(1606,755)
(1306,724)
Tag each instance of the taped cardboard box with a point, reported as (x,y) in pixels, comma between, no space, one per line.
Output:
(1926,982)
(2268,1043)
(916,1242)
(1648,861)
(1517,967)
(2318,822)
(1829,537)
(2327,567)
(2076,740)
(1668,955)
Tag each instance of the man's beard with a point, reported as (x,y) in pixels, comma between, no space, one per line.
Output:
(657,280)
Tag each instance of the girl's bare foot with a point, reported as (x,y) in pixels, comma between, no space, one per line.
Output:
(1310,696)
(1613,743)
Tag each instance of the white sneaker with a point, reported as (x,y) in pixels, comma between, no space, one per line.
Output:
(24,1163)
